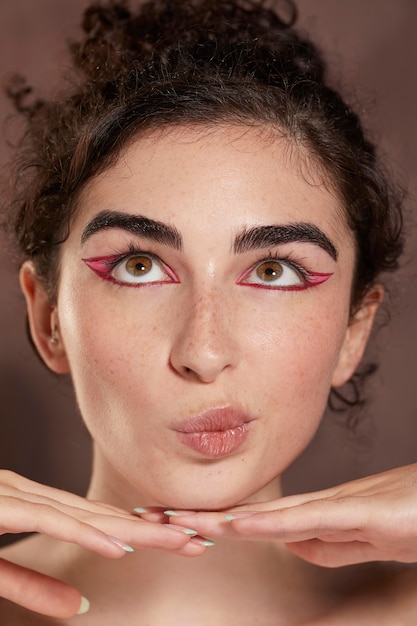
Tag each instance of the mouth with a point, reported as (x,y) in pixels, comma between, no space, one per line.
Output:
(216,432)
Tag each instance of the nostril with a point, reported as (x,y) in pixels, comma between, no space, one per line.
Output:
(201,353)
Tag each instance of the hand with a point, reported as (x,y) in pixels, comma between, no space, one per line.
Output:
(26,506)
(371,519)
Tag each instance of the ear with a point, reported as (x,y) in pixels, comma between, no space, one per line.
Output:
(357,334)
(43,321)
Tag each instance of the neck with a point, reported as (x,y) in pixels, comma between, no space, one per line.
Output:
(226,568)
(243,580)
(247,581)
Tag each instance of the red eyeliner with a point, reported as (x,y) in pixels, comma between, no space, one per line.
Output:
(317,278)
(103,266)
(312,279)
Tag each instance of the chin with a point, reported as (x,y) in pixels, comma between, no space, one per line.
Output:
(202,504)
(207,500)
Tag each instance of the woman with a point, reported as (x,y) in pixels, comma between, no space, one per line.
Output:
(203,225)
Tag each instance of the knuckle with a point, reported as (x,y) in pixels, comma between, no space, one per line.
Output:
(9,478)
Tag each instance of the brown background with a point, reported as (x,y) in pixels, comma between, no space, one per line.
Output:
(372,49)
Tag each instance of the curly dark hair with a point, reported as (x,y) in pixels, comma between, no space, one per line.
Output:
(171,62)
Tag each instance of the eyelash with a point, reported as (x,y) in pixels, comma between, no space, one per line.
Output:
(104,266)
(310,279)
(113,260)
(288,260)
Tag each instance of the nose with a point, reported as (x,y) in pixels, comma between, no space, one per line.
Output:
(205,343)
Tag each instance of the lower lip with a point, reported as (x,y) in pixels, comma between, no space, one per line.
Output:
(216,443)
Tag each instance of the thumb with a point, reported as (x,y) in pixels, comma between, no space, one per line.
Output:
(39,593)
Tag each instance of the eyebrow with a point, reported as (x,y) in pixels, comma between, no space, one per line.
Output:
(137,225)
(253,238)
(258,237)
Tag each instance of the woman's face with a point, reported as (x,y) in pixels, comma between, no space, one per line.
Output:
(203,312)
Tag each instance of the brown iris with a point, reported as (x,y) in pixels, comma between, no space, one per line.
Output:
(269,270)
(139,265)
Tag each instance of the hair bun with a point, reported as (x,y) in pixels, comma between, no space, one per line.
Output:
(210,33)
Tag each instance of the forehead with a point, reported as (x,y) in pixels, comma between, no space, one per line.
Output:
(203,176)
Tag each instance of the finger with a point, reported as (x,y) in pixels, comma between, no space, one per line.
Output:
(212,525)
(306,521)
(197,544)
(14,485)
(74,504)
(105,534)
(195,547)
(336,554)
(37,592)
(11,482)
(147,535)
(24,517)
(107,530)
(141,534)
(217,524)
(260,525)
(151,514)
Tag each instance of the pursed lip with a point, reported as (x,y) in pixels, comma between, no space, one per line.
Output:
(214,420)
(216,432)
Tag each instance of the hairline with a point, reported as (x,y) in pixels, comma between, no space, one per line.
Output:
(299,152)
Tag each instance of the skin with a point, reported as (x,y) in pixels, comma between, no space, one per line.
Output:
(205,335)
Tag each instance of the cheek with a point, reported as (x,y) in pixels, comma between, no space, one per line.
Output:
(292,358)
(110,350)
(298,348)
(292,373)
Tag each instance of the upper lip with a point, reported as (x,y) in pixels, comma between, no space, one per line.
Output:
(214,420)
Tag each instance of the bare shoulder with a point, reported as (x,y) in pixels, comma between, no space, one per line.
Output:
(400,586)
(392,578)
(379,594)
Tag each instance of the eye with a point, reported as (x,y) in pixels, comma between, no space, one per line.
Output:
(139,268)
(274,274)
(134,269)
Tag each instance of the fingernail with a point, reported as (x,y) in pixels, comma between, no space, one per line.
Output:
(84,606)
(120,543)
(203,542)
(140,509)
(241,515)
(178,513)
(187,531)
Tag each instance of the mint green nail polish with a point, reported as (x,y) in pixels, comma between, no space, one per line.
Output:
(84,606)
(205,542)
(179,512)
(140,509)
(128,548)
(241,515)
(120,543)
